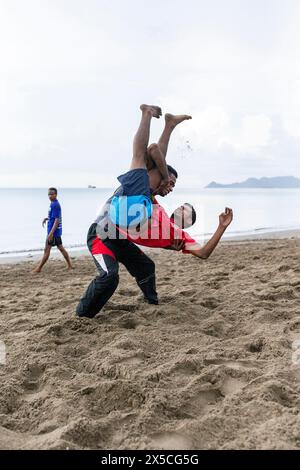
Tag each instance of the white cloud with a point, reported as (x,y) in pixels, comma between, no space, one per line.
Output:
(73,73)
(213,128)
(42,42)
(208,128)
(254,134)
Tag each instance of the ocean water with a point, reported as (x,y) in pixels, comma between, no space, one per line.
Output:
(255,211)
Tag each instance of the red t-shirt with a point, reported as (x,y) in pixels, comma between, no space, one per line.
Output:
(160,231)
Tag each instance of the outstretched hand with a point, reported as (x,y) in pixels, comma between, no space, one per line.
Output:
(177,245)
(226,217)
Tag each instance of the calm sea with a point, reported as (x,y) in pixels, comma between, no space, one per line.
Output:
(255,211)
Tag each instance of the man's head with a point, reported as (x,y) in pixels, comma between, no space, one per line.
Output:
(173,175)
(155,181)
(52,194)
(184,216)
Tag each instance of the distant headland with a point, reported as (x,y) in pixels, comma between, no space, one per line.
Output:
(275,182)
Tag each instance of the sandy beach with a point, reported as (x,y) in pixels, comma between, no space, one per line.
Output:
(211,367)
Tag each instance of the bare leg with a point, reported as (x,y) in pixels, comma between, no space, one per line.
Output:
(141,139)
(66,256)
(156,159)
(171,121)
(44,260)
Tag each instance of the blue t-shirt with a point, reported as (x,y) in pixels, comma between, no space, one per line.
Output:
(54,213)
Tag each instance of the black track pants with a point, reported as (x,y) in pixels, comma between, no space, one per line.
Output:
(107,255)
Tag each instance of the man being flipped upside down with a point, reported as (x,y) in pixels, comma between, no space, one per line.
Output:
(133,216)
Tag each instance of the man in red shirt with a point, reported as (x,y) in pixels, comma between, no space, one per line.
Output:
(162,232)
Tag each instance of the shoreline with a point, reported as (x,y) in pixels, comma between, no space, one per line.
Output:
(83,252)
(276,235)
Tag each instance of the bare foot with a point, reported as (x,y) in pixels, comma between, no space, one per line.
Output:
(154,110)
(69,268)
(36,271)
(176,119)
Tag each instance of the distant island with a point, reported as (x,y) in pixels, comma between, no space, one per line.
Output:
(91,186)
(276,182)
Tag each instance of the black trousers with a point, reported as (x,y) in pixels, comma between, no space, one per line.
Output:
(107,255)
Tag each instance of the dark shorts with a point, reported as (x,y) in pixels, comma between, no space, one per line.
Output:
(135,182)
(134,205)
(56,241)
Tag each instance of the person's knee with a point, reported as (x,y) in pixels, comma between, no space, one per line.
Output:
(111,280)
(152,150)
(152,264)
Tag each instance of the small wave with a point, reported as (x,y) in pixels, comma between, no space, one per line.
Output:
(260,229)
(197,236)
(253,231)
(38,250)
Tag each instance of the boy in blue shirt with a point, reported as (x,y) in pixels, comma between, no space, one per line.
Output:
(54,231)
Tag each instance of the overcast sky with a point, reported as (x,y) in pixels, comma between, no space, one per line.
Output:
(73,73)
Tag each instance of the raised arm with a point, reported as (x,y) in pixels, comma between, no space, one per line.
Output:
(205,251)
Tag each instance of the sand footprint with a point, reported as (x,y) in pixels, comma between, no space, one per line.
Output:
(256,345)
(170,440)
(128,292)
(187,293)
(238,267)
(281,393)
(133,360)
(232,385)
(202,401)
(32,379)
(209,302)
(128,323)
